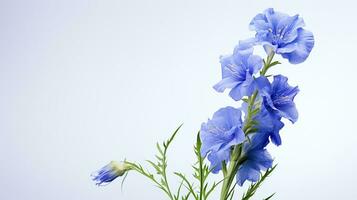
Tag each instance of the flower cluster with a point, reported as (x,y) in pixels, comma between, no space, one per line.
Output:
(226,138)
(235,140)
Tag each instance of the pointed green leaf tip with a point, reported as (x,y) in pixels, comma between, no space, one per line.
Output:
(269,197)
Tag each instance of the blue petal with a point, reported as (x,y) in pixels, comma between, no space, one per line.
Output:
(274,134)
(263,85)
(274,18)
(255,63)
(241,55)
(237,92)
(225,61)
(247,171)
(229,116)
(287,28)
(259,23)
(216,159)
(289,111)
(229,82)
(248,43)
(262,158)
(304,44)
(275,138)
(258,141)
(246,88)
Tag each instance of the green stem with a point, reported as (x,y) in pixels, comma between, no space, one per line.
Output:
(201,179)
(267,64)
(237,158)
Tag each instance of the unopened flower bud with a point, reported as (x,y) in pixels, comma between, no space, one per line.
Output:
(110,172)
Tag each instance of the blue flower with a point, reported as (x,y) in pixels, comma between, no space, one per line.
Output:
(256,157)
(269,124)
(219,134)
(283,34)
(109,172)
(237,72)
(278,97)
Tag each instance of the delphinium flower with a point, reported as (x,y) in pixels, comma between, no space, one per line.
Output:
(256,159)
(278,97)
(282,34)
(237,72)
(109,172)
(219,134)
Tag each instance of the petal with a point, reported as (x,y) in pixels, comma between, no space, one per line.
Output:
(259,22)
(225,61)
(247,171)
(263,85)
(237,92)
(209,139)
(304,44)
(274,17)
(287,28)
(216,159)
(258,141)
(289,111)
(269,48)
(255,63)
(246,88)
(261,158)
(280,85)
(239,137)
(248,43)
(229,82)
(275,136)
(287,48)
(241,55)
(231,117)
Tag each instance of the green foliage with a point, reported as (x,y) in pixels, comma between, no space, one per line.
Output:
(201,173)
(254,186)
(160,167)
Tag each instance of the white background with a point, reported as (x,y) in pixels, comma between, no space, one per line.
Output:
(86,82)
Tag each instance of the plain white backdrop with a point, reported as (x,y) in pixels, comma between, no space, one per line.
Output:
(86,82)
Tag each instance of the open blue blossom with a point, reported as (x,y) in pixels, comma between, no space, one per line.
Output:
(257,159)
(237,72)
(282,34)
(278,97)
(109,172)
(219,134)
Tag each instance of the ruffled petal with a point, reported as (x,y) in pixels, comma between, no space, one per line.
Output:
(247,171)
(304,44)
(228,117)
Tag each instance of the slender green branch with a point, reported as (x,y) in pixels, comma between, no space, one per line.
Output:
(160,167)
